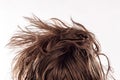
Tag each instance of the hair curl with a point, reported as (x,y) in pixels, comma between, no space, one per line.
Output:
(56,51)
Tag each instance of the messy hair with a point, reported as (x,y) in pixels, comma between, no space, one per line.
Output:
(54,50)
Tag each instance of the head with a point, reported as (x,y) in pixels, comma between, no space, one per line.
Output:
(57,51)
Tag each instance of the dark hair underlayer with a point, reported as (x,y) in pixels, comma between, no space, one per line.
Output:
(57,51)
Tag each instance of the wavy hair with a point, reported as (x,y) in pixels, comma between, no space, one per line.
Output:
(57,51)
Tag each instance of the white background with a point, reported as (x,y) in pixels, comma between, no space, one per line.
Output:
(102,17)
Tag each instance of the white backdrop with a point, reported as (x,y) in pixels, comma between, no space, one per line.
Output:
(102,17)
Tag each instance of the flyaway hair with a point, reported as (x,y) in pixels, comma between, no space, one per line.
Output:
(57,51)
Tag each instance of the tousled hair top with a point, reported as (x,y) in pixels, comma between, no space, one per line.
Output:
(57,51)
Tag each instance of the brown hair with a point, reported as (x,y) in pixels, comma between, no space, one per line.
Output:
(57,51)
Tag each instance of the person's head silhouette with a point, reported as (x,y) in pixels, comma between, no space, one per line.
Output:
(57,51)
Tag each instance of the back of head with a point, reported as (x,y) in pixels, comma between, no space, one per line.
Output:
(55,51)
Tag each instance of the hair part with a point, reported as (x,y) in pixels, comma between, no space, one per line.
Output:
(56,51)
